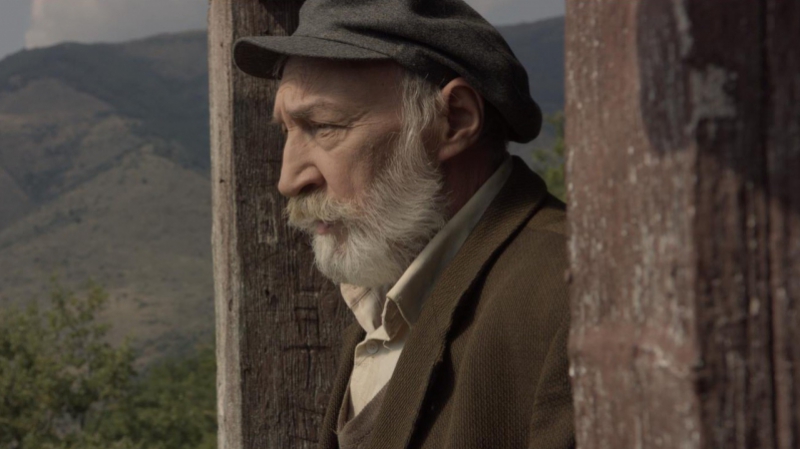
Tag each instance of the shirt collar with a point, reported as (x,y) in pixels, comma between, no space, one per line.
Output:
(410,291)
(416,283)
(365,303)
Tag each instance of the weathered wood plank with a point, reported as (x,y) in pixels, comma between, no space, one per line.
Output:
(278,320)
(681,134)
(782,115)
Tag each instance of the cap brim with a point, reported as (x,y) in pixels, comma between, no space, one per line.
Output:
(258,55)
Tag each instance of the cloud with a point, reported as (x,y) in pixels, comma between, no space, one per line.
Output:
(54,21)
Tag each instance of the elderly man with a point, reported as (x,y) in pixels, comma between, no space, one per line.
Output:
(450,253)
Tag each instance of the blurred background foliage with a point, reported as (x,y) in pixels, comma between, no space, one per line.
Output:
(63,386)
(549,161)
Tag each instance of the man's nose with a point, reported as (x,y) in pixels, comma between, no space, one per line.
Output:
(298,171)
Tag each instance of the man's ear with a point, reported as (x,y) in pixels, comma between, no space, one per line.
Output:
(463,110)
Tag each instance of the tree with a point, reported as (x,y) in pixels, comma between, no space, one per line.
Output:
(172,406)
(63,386)
(549,162)
(58,375)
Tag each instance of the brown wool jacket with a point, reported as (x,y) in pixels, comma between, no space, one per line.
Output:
(485,366)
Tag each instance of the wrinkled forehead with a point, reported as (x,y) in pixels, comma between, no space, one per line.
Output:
(374,84)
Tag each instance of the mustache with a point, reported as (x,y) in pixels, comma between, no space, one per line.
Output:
(305,211)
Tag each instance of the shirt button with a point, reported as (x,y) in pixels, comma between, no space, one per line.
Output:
(372,347)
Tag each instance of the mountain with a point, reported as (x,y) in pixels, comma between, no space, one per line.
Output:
(104,175)
(540,48)
(104,164)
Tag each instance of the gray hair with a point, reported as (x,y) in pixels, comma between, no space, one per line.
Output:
(423,102)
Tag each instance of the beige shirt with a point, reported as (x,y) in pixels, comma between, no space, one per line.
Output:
(387,317)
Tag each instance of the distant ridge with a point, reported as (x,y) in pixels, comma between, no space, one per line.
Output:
(540,48)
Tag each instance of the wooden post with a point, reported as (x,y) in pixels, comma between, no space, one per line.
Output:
(278,321)
(683,135)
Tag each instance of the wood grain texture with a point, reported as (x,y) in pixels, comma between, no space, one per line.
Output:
(278,321)
(782,116)
(682,134)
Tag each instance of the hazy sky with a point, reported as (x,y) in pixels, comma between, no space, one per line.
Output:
(35,23)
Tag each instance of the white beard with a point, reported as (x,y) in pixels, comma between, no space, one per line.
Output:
(377,237)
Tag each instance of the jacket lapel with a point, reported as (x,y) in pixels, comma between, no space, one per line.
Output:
(510,210)
(351,336)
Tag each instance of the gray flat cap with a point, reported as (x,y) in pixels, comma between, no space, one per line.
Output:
(439,39)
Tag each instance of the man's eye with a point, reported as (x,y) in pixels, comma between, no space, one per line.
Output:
(320,126)
(323,129)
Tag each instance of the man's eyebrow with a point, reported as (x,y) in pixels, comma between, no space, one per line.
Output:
(307,111)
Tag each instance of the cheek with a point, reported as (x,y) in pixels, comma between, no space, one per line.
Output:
(350,167)
(346,176)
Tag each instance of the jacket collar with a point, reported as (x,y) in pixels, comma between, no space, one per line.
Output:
(518,200)
(350,338)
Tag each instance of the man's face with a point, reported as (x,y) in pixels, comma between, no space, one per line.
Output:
(338,118)
(370,197)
